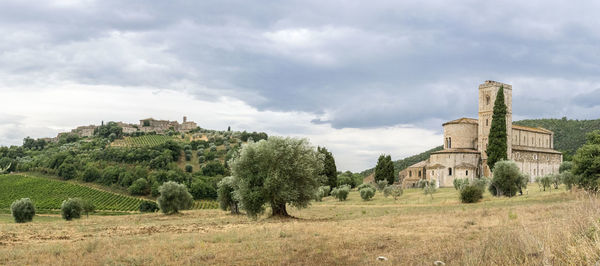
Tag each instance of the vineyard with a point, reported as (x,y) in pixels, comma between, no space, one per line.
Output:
(205,204)
(142,141)
(49,194)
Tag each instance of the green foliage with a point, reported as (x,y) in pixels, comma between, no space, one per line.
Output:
(565,166)
(329,168)
(429,186)
(87,207)
(460,183)
(364,185)
(497,142)
(174,197)
(67,170)
(381,184)
(586,163)
(341,193)
(367,193)
(49,194)
(569,179)
(384,169)
(189,168)
(349,178)
(105,131)
(22,210)
(471,193)
(225,191)
(204,187)
(91,173)
(406,162)
(507,179)
(394,191)
(277,171)
(71,209)
(544,182)
(569,135)
(482,182)
(322,191)
(213,168)
(139,187)
(148,206)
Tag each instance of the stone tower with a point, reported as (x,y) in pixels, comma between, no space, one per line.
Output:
(487,97)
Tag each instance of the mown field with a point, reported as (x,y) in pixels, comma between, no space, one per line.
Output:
(538,228)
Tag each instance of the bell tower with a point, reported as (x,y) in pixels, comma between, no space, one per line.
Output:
(487,96)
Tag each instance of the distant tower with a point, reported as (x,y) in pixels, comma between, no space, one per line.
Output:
(487,97)
(184,119)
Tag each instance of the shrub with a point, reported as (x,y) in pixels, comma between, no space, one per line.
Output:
(569,179)
(201,159)
(368,193)
(148,206)
(394,191)
(507,180)
(87,207)
(322,191)
(482,183)
(381,184)
(203,187)
(174,197)
(188,157)
(227,201)
(460,183)
(71,209)
(471,193)
(189,168)
(365,185)
(139,187)
(429,187)
(67,171)
(22,210)
(213,168)
(341,193)
(91,173)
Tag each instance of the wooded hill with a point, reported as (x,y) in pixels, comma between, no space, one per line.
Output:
(569,135)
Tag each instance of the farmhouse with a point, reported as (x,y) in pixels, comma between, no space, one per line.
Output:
(465,143)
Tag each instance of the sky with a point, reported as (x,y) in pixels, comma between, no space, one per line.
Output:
(362,78)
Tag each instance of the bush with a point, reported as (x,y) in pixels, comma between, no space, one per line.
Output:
(67,171)
(460,183)
(189,168)
(341,193)
(368,193)
(213,168)
(22,210)
(203,188)
(139,187)
(482,183)
(507,180)
(174,197)
(569,179)
(365,185)
(91,173)
(71,209)
(225,189)
(322,191)
(87,207)
(394,191)
(471,194)
(381,184)
(148,206)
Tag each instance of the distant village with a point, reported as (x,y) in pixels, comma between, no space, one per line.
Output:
(146,126)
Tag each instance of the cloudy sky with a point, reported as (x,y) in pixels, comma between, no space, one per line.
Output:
(359,77)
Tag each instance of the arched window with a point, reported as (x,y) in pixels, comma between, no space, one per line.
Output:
(467,172)
(449,171)
(487,99)
(486,122)
(449,143)
(409,173)
(419,173)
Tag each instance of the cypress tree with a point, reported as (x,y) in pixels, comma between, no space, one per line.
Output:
(389,170)
(384,169)
(329,167)
(380,169)
(497,141)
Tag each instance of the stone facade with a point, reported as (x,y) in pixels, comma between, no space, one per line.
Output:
(465,143)
(145,125)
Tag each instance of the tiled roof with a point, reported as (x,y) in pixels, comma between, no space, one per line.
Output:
(532,129)
(463,120)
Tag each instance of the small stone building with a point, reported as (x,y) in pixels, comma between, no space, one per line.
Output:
(465,142)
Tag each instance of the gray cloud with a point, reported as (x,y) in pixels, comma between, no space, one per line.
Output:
(353,65)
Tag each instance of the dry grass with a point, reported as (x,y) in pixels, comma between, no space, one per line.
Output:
(540,228)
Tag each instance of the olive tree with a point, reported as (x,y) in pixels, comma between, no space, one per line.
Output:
(225,189)
(507,179)
(277,171)
(174,197)
(22,210)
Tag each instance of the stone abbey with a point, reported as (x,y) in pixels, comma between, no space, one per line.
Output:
(465,143)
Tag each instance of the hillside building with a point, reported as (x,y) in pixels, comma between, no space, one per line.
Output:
(465,143)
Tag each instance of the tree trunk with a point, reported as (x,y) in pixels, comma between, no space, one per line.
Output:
(234,208)
(279,210)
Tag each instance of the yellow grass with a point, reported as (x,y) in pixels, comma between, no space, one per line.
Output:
(540,228)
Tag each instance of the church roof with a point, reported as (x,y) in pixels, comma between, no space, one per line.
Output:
(420,164)
(532,129)
(534,149)
(463,120)
(456,151)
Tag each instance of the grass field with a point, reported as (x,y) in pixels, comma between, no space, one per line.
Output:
(539,228)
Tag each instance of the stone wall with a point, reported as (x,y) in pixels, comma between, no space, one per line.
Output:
(447,165)
(460,135)
(536,162)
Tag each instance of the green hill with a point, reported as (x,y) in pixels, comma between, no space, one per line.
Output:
(569,134)
(48,194)
(400,165)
